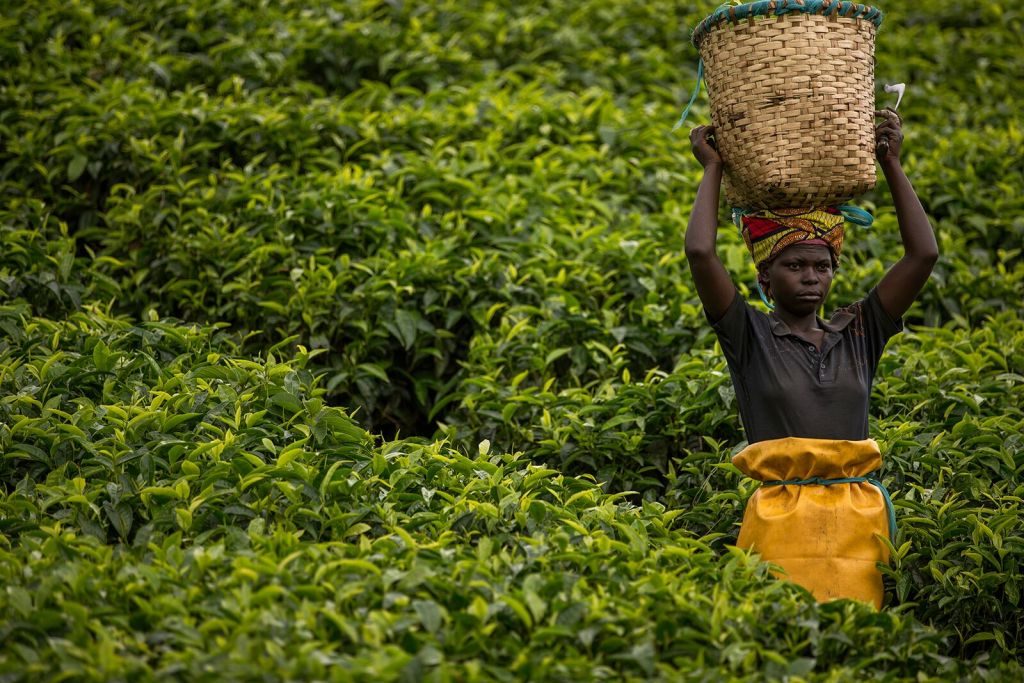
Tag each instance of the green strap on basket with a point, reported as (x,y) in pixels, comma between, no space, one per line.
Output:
(693,97)
(851,214)
(819,481)
(856,215)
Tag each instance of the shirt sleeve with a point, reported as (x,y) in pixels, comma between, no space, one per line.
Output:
(878,325)
(733,330)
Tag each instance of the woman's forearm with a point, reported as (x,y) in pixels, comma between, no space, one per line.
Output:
(702,229)
(915,228)
(904,280)
(714,286)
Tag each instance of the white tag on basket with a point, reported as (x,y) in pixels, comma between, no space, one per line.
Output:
(898,88)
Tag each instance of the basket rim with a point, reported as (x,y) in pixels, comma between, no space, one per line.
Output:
(764,8)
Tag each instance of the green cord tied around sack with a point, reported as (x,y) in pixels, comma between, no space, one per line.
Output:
(820,481)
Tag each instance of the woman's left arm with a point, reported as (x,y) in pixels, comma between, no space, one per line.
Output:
(907,277)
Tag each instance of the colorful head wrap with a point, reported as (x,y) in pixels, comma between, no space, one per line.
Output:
(768,231)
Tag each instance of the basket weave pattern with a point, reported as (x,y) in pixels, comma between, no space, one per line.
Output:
(792,101)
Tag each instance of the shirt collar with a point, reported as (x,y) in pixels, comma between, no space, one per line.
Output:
(840,319)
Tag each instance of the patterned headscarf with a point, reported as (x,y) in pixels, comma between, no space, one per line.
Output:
(767,232)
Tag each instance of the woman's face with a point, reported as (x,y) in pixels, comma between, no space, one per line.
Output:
(799,278)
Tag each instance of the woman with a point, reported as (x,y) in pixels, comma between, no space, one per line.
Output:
(802,383)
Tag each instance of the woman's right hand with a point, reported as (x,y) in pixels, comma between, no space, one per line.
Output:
(704,147)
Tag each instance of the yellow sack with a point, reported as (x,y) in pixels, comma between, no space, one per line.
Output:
(821,532)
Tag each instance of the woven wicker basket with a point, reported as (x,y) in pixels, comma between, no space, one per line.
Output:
(791,88)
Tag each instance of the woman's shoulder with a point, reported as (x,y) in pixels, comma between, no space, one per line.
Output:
(865,312)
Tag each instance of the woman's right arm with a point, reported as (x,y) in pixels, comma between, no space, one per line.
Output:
(714,286)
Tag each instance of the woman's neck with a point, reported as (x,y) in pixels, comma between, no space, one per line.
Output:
(798,323)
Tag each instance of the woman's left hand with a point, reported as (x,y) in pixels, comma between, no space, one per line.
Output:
(888,136)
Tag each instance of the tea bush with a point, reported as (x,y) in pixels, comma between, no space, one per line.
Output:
(171,509)
(347,148)
(353,340)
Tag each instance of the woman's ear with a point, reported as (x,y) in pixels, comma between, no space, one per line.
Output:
(764,282)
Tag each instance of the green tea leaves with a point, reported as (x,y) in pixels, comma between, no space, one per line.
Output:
(356,340)
(76,166)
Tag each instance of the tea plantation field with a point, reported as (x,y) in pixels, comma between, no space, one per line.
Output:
(353,340)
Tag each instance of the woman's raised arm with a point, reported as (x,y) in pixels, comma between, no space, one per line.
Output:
(907,277)
(714,286)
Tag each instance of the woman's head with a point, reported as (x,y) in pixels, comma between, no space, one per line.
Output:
(768,232)
(799,278)
(776,237)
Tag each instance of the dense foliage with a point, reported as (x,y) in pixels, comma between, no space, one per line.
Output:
(353,340)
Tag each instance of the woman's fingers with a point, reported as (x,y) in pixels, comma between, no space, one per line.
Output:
(889,114)
(889,133)
(889,130)
(701,135)
(703,144)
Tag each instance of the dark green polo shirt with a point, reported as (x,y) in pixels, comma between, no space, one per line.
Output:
(786,387)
